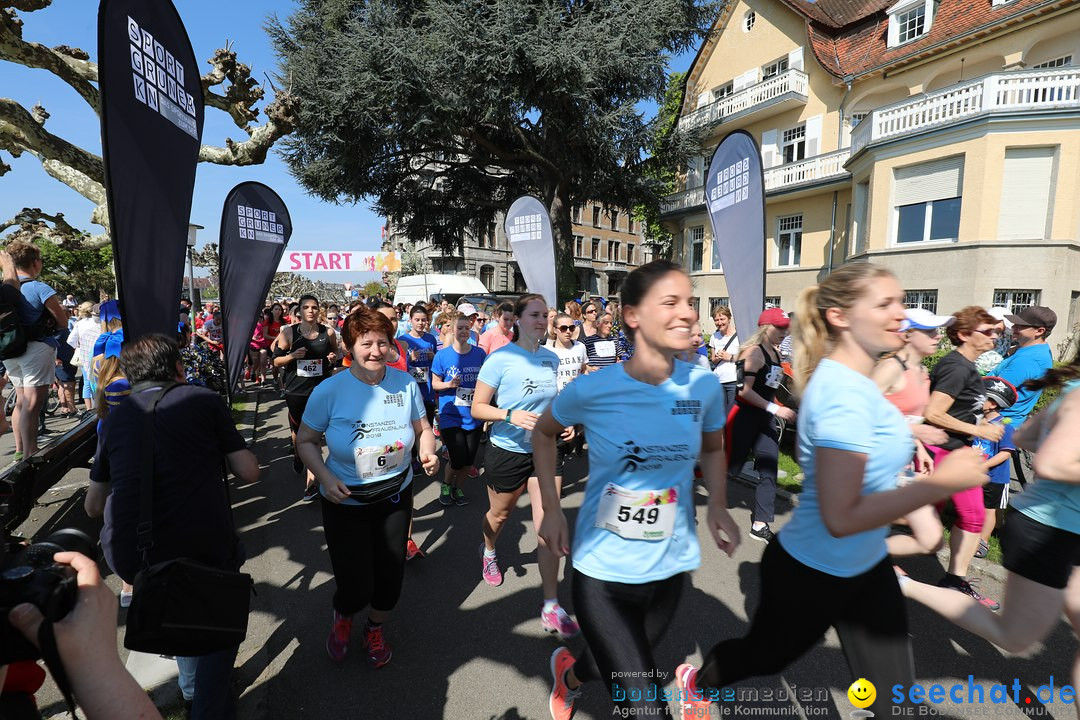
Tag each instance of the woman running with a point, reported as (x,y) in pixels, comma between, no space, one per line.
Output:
(1041,536)
(453,377)
(752,422)
(635,540)
(371,416)
(305,352)
(515,385)
(852,444)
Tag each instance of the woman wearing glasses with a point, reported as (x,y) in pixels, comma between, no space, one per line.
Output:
(572,356)
(956,406)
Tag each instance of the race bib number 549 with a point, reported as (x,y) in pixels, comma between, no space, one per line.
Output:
(638,515)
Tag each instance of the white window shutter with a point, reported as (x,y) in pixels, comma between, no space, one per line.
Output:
(769,151)
(704,99)
(745,80)
(1025,193)
(937,180)
(795,59)
(813,135)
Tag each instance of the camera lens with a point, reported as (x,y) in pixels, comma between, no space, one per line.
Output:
(67,540)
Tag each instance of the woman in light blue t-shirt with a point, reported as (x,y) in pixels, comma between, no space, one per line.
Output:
(648,422)
(852,444)
(1041,536)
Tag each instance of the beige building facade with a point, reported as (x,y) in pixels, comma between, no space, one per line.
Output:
(937,138)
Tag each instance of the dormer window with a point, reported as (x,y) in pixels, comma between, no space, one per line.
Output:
(909,20)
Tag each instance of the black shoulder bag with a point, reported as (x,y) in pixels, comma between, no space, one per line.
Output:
(181,607)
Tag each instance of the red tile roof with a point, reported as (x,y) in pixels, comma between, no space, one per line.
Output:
(849,37)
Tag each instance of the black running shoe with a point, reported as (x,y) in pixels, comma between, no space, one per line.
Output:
(765,535)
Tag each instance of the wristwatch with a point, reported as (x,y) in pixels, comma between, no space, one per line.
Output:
(508,412)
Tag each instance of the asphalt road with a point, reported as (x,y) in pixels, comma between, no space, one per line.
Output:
(466,651)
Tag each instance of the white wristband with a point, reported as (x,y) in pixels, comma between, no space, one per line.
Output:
(771,408)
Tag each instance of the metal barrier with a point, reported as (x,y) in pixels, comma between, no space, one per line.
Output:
(22,484)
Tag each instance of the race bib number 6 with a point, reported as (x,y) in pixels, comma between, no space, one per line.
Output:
(634,515)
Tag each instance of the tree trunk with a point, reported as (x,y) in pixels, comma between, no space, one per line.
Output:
(562,232)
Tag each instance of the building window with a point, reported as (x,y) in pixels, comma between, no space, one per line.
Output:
(579,246)
(630,224)
(789,241)
(794,144)
(697,248)
(748,20)
(491,236)
(614,284)
(615,220)
(856,118)
(1015,301)
(927,200)
(487,276)
(695,302)
(576,215)
(613,251)
(595,249)
(630,253)
(715,303)
(910,24)
(596,217)
(722,91)
(772,301)
(774,68)
(925,299)
(1063,61)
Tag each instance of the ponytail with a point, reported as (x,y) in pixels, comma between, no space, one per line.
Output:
(1056,377)
(809,335)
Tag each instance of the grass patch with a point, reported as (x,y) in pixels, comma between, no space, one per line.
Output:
(790,483)
(994,555)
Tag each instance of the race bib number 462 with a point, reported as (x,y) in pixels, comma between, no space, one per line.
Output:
(309,368)
(638,515)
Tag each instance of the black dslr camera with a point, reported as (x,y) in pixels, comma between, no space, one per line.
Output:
(28,574)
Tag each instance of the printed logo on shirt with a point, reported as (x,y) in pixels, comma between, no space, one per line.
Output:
(549,364)
(528,387)
(688,407)
(652,457)
(362,429)
(633,457)
(397,398)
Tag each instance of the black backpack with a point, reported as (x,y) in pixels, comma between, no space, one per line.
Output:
(14,335)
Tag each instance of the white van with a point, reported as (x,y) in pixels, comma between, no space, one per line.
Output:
(420,288)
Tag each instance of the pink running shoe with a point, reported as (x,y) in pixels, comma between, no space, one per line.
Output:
(492,574)
(561,700)
(378,651)
(557,622)
(337,644)
(691,702)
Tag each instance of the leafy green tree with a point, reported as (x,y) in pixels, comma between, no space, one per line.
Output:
(444,111)
(70,269)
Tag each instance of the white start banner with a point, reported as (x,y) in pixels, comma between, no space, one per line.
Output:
(300,261)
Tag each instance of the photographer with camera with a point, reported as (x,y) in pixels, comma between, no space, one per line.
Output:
(191,517)
(85,640)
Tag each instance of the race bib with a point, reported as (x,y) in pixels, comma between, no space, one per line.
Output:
(309,368)
(378,460)
(421,374)
(633,515)
(776,374)
(605,348)
(463,397)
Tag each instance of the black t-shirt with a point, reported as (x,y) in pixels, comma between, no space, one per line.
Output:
(193,431)
(768,377)
(957,377)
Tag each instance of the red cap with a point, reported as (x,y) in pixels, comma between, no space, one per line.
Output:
(775,317)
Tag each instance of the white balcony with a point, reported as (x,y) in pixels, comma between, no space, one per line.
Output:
(615,266)
(788,88)
(682,201)
(808,171)
(1000,93)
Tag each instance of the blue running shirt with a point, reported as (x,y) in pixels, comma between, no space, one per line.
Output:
(421,367)
(643,438)
(522,381)
(455,406)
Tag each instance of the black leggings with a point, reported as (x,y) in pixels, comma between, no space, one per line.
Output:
(754,429)
(462,445)
(867,611)
(621,623)
(367,551)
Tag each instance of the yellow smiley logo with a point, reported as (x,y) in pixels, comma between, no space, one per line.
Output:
(862,693)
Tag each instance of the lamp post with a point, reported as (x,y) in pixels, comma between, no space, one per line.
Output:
(192,229)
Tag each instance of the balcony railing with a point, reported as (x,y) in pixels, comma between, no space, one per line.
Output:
(684,200)
(615,266)
(759,94)
(820,167)
(998,93)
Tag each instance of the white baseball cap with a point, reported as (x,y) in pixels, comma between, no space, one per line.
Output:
(1002,316)
(467,309)
(920,319)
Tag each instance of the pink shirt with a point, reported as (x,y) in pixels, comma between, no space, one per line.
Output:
(492,340)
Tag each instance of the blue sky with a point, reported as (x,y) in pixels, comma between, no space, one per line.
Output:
(317,225)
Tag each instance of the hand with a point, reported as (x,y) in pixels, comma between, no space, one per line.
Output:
(786,414)
(993,433)
(568,433)
(414,355)
(299,353)
(554,532)
(924,463)
(524,419)
(961,469)
(87,636)
(331,358)
(333,489)
(719,520)
(929,434)
(430,463)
